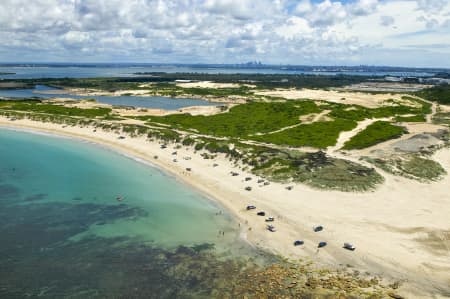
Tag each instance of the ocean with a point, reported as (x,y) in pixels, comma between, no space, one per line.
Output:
(81,221)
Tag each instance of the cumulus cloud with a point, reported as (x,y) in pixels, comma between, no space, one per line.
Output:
(224,31)
(363,7)
(432,5)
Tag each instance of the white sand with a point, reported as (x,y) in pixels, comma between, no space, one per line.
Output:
(342,97)
(386,225)
(207,84)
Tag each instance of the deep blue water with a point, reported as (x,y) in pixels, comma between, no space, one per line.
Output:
(156,102)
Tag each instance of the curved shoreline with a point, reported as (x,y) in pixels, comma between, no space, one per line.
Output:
(139,159)
(118,150)
(386,244)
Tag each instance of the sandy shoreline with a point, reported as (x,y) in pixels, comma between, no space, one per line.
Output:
(393,228)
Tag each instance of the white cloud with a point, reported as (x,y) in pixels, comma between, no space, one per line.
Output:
(226,31)
(387,21)
(363,7)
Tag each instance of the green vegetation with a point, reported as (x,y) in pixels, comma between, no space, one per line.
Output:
(318,134)
(410,119)
(373,134)
(242,120)
(442,118)
(412,166)
(440,94)
(37,106)
(314,169)
(266,81)
(253,133)
(394,108)
(278,122)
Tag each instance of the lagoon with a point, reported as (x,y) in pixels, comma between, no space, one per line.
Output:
(154,102)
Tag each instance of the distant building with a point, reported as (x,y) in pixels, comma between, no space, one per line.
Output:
(411,80)
(392,79)
(185,81)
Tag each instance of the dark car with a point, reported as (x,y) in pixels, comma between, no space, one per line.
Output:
(322,244)
(318,228)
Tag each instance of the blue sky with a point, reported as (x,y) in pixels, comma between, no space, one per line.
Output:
(374,32)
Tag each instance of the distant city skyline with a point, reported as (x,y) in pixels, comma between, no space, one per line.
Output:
(408,33)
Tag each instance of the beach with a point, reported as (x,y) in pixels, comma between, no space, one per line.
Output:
(401,230)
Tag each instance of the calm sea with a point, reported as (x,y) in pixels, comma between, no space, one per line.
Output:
(64,234)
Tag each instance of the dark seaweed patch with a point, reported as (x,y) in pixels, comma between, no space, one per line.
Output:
(37,260)
(9,191)
(36,197)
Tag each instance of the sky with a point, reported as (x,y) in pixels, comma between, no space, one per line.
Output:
(301,32)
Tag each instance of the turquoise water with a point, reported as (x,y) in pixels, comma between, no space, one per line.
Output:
(73,172)
(64,234)
(155,102)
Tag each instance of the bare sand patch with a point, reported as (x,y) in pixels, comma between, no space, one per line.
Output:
(193,110)
(210,84)
(335,96)
(444,108)
(95,92)
(416,143)
(83,104)
(386,87)
(315,117)
(416,128)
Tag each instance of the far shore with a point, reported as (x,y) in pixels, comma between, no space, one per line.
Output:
(140,93)
(394,228)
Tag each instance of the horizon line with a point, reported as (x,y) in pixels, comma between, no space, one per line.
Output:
(250,63)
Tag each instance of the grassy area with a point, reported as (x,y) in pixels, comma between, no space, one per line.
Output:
(412,166)
(37,106)
(315,169)
(410,119)
(317,134)
(393,108)
(260,121)
(440,94)
(276,122)
(242,120)
(373,134)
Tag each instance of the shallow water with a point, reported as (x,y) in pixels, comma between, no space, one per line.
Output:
(155,102)
(64,234)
